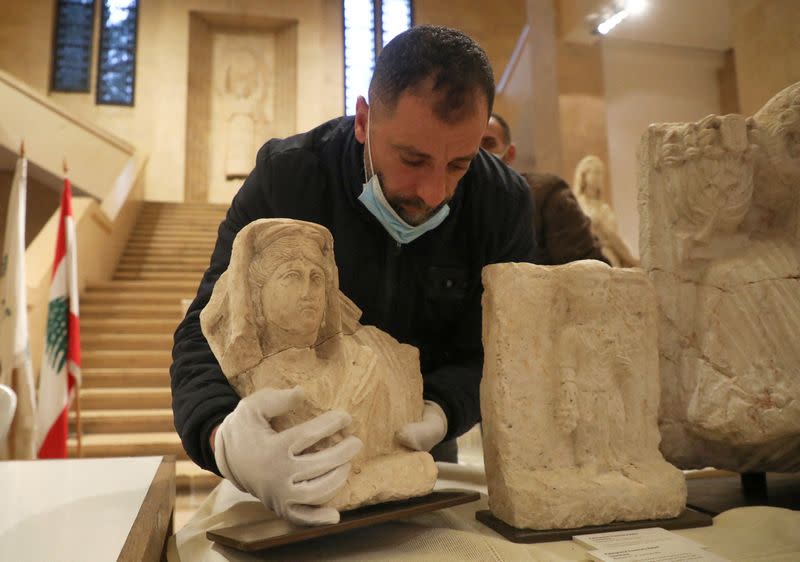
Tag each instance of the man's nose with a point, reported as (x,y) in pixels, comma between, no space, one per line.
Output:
(433,191)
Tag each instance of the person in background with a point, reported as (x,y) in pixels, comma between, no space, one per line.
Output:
(563,231)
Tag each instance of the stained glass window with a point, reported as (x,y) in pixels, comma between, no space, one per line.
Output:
(72,46)
(116,65)
(361,32)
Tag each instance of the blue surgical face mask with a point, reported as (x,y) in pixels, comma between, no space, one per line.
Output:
(373,199)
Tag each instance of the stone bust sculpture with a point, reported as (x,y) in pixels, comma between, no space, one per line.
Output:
(589,188)
(277,319)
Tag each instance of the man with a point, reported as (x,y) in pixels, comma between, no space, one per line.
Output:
(416,210)
(563,231)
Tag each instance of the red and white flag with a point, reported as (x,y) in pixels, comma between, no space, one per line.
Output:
(61,363)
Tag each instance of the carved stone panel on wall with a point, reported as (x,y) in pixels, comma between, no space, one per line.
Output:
(242,106)
(720,209)
(276,319)
(569,399)
(242,91)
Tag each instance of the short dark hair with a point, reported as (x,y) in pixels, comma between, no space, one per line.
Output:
(458,66)
(504,126)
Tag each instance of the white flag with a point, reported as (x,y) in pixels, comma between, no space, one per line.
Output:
(16,370)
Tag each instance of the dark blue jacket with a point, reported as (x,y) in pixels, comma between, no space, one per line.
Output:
(426,293)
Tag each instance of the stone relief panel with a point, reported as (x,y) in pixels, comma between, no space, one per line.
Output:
(242,105)
(569,399)
(718,201)
(277,319)
(589,188)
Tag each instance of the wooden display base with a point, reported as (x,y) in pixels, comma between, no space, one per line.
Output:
(687,520)
(276,532)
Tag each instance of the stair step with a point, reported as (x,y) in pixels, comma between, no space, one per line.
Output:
(123,377)
(190,477)
(170,243)
(134,298)
(126,341)
(124,421)
(144,287)
(188,222)
(201,236)
(128,445)
(129,325)
(176,258)
(154,311)
(162,252)
(158,276)
(166,267)
(142,398)
(132,359)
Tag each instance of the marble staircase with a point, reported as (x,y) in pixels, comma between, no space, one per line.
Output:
(126,337)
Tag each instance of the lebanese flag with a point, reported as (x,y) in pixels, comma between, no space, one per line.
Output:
(61,363)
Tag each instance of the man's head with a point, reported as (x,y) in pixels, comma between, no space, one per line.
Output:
(497,139)
(429,101)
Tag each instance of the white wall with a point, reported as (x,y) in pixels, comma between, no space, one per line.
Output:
(644,84)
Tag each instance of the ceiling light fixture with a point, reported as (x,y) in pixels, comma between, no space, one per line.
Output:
(612,14)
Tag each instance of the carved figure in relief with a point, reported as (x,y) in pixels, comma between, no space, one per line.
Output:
(242,91)
(589,187)
(592,365)
(729,284)
(275,320)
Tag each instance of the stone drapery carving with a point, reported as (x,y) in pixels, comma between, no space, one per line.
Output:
(719,236)
(589,188)
(276,319)
(570,399)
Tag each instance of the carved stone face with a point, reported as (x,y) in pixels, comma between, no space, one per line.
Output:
(595,178)
(293,300)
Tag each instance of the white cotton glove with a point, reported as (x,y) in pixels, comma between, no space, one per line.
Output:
(8,405)
(426,434)
(268,464)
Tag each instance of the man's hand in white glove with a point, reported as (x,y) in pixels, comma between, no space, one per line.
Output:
(424,435)
(268,464)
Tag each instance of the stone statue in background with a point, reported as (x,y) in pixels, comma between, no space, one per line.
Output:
(570,402)
(589,188)
(242,93)
(720,240)
(277,319)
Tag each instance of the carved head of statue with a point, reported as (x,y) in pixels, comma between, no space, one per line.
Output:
(709,169)
(242,75)
(289,280)
(779,123)
(590,178)
(280,291)
(587,289)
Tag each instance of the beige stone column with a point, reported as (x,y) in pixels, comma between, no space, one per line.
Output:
(766,39)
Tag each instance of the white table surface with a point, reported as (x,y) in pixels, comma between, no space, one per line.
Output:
(70,510)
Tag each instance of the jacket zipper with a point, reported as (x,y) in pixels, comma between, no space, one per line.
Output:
(393,249)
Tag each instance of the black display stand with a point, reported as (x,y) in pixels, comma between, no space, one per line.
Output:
(713,495)
(687,520)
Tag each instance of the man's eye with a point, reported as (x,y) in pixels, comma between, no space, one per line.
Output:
(487,144)
(458,167)
(412,163)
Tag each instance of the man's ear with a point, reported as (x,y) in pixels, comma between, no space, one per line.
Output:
(511,154)
(362,112)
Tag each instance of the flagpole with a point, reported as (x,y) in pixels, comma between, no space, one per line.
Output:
(78,421)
